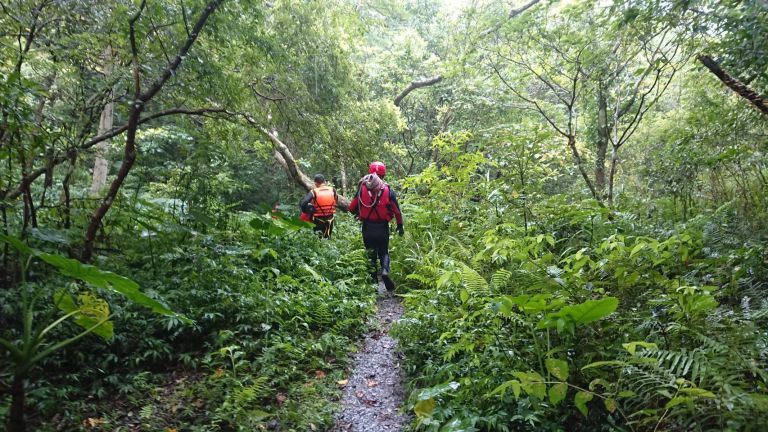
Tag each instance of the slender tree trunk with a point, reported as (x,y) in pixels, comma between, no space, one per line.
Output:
(65,195)
(16,421)
(100,163)
(612,174)
(603,136)
(30,202)
(343,178)
(580,165)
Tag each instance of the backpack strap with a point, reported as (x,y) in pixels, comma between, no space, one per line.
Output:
(375,204)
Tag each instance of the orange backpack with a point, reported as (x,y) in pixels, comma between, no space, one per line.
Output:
(324,200)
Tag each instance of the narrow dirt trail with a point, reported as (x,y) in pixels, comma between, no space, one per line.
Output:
(374,393)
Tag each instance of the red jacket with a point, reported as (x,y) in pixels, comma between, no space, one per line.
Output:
(380,207)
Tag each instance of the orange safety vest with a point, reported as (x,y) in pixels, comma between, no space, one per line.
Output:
(324,200)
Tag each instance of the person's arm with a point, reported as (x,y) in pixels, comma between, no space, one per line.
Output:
(354,203)
(306,204)
(394,207)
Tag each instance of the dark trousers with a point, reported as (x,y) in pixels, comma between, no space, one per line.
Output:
(323,225)
(376,241)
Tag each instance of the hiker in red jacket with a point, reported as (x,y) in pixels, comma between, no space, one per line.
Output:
(375,204)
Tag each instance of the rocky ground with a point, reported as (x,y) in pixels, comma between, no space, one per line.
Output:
(374,393)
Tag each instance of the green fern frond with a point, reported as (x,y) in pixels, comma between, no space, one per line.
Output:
(473,282)
(500,279)
(321,314)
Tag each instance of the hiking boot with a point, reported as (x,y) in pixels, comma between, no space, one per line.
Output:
(388,282)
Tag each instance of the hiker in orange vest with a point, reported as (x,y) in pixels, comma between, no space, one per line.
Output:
(320,205)
(375,204)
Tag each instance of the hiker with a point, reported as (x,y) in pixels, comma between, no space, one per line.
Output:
(320,205)
(375,204)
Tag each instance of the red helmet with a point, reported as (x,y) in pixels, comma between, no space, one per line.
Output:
(377,167)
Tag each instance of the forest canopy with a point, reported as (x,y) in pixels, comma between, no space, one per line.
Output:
(583,185)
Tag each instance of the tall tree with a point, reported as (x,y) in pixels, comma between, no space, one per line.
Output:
(578,64)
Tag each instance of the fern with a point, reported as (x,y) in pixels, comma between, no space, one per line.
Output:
(500,279)
(321,314)
(473,282)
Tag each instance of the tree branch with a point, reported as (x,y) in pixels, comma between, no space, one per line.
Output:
(171,69)
(27,180)
(285,158)
(741,89)
(513,13)
(417,84)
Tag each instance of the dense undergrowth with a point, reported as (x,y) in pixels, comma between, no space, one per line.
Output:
(275,312)
(577,317)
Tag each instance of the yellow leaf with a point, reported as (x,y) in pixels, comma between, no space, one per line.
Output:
(424,408)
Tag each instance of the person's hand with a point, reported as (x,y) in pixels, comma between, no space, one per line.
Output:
(400,230)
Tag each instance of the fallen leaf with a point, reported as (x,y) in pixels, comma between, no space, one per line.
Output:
(281,398)
(342,382)
(359,394)
(170,429)
(372,383)
(319,374)
(92,422)
(199,403)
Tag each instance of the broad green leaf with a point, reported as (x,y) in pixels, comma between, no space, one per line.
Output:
(91,310)
(557,393)
(677,400)
(583,313)
(604,363)
(610,404)
(464,295)
(532,383)
(558,368)
(581,399)
(107,280)
(631,347)
(515,384)
(17,244)
(431,392)
(637,248)
(423,408)
(459,424)
(626,393)
(592,310)
(698,392)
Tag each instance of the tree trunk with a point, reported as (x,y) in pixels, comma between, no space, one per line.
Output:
(343,178)
(16,421)
(65,195)
(580,165)
(137,106)
(603,136)
(100,163)
(612,174)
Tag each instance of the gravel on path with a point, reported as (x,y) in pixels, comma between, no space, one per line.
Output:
(374,393)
